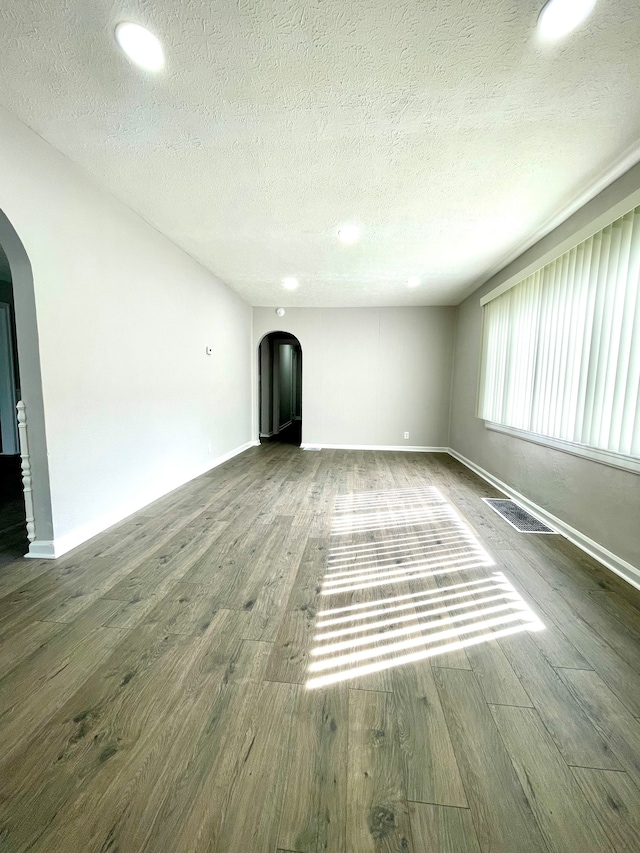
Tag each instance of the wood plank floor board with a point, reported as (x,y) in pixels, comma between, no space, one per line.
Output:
(228,566)
(25,642)
(552,642)
(366,567)
(272,591)
(217,565)
(311,570)
(493,671)
(502,815)
(30,602)
(36,669)
(442,829)
(256,563)
(564,816)
(167,707)
(19,572)
(556,648)
(368,637)
(124,748)
(314,812)
(105,716)
(626,611)
(616,801)
(136,536)
(373,645)
(480,517)
(569,572)
(255,800)
(620,635)
(33,599)
(186,609)
(609,716)
(71,587)
(192,769)
(89,585)
(400,551)
(498,682)
(377,811)
(576,738)
(582,567)
(32,692)
(431,773)
(452,537)
(455,658)
(130,614)
(289,658)
(155,575)
(621,677)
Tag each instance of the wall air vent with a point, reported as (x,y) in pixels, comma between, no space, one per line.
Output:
(518,518)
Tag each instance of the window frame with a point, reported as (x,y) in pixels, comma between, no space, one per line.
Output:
(595,454)
(605,457)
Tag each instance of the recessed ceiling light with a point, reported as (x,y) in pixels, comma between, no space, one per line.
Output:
(141,46)
(290,282)
(349,233)
(413,281)
(559,17)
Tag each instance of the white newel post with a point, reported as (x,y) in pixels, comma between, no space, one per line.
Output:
(26,470)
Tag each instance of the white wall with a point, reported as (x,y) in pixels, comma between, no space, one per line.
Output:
(132,404)
(600,502)
(370,374)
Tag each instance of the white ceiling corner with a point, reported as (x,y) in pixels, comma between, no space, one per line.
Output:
(444,128)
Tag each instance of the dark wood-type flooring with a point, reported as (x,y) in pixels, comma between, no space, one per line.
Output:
(303,651)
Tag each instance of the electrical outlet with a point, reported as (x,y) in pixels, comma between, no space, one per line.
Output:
(406,435)
(209,448)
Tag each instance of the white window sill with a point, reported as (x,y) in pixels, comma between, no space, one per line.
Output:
(605,457)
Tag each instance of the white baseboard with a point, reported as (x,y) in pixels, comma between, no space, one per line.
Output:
(616,564)
(52,549)
(42,549)
(408,449)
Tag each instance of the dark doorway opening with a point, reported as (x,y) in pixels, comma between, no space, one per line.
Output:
(13,538)
(280,382)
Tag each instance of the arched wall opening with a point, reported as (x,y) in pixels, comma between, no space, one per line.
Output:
(280,388)
(27,381)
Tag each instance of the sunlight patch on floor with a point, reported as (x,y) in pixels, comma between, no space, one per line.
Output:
(407,539)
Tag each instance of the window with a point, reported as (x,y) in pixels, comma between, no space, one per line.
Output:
(561,349)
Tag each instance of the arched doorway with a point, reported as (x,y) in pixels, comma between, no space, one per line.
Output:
(13,522)
(26,494)
(280,388)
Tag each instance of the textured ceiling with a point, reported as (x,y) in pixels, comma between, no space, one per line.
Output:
(442,126)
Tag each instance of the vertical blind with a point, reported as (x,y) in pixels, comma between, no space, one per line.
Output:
(561,349)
